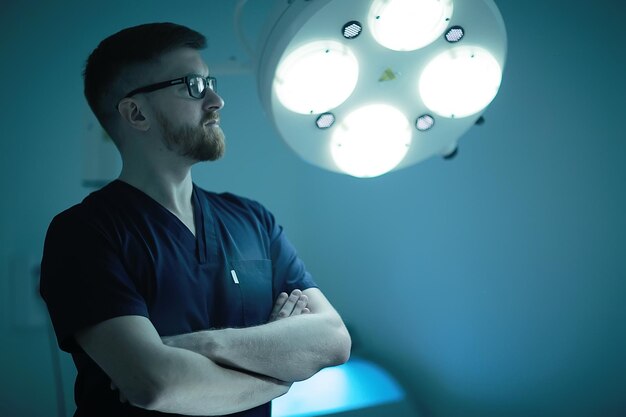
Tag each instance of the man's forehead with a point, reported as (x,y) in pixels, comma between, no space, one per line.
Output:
(180,62)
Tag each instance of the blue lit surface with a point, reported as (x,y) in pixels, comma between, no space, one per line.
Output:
(353,385)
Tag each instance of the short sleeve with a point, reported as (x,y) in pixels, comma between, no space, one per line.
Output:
(83,279)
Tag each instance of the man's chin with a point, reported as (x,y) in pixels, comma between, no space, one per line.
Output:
(214,152)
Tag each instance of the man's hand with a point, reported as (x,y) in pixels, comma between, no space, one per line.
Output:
(293,304)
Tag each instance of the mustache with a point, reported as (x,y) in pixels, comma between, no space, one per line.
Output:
(212,117)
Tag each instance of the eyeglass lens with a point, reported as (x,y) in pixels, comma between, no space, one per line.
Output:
(198,86)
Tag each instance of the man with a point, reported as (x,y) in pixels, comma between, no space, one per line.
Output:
(170,298)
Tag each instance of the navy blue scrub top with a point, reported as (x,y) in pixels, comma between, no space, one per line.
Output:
(119,252)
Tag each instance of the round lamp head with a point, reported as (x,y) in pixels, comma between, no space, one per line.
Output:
(365,87)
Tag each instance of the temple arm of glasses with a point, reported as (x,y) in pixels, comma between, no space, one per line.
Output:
(157,86)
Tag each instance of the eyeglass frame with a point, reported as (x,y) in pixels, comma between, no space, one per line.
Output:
(210,81)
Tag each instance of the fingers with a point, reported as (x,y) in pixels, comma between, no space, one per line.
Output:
(289,305)
(280,301)
(301,304)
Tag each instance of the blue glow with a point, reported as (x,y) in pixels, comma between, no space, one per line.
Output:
(353,385)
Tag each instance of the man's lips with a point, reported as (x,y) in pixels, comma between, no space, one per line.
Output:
(211,121)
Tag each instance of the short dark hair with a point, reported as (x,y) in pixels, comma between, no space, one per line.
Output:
(109,67)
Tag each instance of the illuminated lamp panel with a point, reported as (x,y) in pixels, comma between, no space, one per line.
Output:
(460,82)
(316,77)
(407,25)
(371,140)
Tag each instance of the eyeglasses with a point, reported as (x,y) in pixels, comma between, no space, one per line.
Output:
(196,85)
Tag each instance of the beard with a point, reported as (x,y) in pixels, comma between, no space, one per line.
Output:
(204,142)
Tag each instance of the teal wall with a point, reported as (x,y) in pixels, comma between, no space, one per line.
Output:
(490,285)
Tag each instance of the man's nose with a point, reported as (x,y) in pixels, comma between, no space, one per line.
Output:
(212,101)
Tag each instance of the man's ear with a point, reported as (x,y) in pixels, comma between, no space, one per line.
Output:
(132,114)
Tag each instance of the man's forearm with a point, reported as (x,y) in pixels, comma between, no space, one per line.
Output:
(292,349)
(193,385)
(154,376)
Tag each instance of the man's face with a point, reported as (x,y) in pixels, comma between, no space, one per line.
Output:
(189,126)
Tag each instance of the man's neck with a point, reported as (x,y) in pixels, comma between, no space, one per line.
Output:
(170,188)
(162,175)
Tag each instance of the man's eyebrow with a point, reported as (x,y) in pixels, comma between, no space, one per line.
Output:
(203,73)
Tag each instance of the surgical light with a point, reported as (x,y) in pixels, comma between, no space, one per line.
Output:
(364,87)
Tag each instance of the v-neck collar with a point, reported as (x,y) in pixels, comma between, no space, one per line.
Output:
(172,223)
(198,218)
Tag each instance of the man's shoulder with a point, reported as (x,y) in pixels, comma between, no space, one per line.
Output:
(94,208)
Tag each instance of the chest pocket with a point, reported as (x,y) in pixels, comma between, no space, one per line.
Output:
(254,279)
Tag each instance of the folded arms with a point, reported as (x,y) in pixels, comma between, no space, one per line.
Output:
(222,371)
